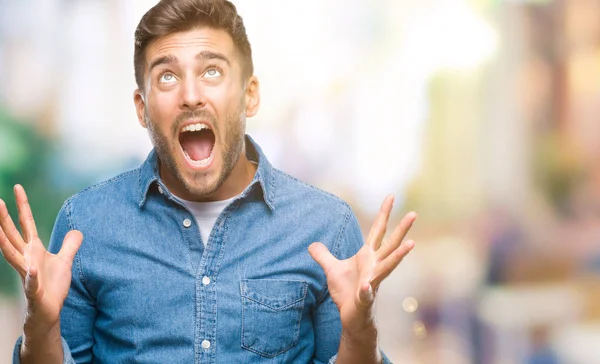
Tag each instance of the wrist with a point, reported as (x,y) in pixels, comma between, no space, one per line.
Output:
(41,345)
(364,334)
(35,325)
(36,331)
(359,346)
(360,326)
(39,318)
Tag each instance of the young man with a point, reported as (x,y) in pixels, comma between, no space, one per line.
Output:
(203,254)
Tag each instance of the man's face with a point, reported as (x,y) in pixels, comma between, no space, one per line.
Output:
(194,105)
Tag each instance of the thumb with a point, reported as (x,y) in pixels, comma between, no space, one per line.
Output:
(321,255)
(32,284)
(366,295)
(71,245)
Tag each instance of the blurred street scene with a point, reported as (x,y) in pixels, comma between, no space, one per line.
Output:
(481,115)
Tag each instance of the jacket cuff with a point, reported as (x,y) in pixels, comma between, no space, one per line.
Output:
(386,360)
(67,358)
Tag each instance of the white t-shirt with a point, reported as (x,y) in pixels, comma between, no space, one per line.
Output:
(206,214)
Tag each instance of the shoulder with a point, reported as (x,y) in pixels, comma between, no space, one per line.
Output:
(322,211)
(108,194)
(92,209)
(290,189)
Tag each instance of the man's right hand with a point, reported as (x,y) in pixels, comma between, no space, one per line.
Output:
(46,277)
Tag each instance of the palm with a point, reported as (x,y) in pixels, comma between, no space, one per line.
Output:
(353,282)
(54,278)
(344,280)
(46,277)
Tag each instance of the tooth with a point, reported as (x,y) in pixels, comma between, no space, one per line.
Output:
(195,127)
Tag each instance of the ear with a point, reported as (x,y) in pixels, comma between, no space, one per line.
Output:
(140,106)
(252,96)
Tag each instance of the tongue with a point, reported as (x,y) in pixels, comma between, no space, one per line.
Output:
(197,145)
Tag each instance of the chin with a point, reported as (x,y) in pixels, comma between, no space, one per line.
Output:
(199,186)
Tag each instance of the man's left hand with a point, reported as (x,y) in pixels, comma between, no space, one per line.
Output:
(353,283)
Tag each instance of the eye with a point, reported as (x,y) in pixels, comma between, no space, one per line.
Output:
(167,78)
(212,72)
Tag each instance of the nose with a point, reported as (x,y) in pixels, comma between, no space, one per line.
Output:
(192,95)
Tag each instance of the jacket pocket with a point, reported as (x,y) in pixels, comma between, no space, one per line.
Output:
(271,314)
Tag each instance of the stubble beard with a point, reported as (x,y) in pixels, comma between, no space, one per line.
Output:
(196,183)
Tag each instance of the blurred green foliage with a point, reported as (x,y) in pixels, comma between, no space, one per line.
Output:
(27,158)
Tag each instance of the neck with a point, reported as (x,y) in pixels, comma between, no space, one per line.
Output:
(240,177)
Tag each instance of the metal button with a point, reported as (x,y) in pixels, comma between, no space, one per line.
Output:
(160,190)
(187,223)
(205,280)
(205,344)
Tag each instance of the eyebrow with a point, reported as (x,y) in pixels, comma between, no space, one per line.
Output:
(202,56)
(168,59)
(205,55)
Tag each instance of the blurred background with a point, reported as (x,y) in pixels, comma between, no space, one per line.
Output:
(482,115)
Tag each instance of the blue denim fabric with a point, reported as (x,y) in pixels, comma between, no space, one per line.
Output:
(145,290)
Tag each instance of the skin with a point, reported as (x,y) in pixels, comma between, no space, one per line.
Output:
(194,91)
(353,283)
(189,86)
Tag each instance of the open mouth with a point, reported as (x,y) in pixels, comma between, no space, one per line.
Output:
(197,142)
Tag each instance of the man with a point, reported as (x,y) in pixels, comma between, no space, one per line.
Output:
(202,254)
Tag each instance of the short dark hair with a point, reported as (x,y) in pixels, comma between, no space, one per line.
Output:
(170,16)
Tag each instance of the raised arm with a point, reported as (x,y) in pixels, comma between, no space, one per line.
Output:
(353,284)
(46,279)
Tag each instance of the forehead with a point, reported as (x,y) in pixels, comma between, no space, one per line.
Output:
(186,44)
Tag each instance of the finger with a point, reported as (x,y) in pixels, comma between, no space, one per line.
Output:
(12,256)
(70,246)
(366,295)
(25,216)
(10,230)
(397,236)
(380,224)
(387,266)
(321,255)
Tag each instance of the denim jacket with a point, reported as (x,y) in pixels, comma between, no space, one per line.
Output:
(145,290)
